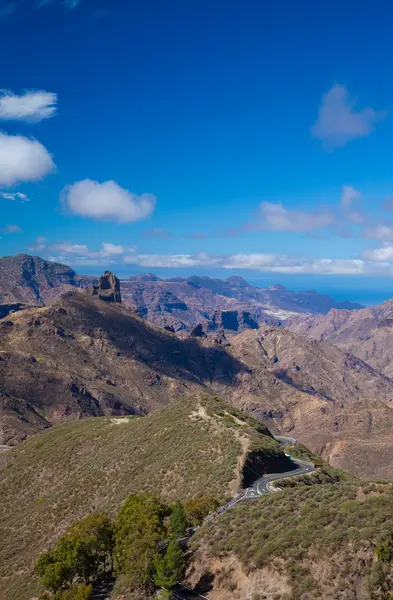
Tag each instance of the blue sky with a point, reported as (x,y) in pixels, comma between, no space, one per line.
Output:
(198,136)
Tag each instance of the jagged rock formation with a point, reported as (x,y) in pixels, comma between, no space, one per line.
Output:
(180,303)
(108,288)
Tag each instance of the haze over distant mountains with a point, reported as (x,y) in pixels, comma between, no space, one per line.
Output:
(179,303)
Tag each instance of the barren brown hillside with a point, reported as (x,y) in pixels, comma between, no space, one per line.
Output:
(85,357)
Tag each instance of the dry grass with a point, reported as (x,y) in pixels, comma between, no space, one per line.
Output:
(94,464)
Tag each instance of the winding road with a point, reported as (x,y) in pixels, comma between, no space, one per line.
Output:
(264,485)
(261,486)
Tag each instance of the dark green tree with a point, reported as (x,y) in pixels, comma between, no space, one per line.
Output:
(169,567)
(139,529)
(178,521)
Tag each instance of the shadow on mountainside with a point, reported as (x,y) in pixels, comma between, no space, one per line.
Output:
(137,340)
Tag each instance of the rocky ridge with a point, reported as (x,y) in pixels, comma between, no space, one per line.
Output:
(84,356)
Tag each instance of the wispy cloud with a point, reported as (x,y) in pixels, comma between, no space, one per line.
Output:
(14,196)
(372,262)
(71,4)
(381,233)
(7,8)
(269,263)
(31,106)
(12,229)
(338,120)
(274,217)
(38,245)
(107,202)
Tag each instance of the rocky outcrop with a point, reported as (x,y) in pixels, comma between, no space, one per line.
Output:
(108,288)
(198,331)
(233,320)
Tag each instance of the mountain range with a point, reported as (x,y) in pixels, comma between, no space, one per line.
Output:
(84,356)
(178,303)
(106,391)
(367,333)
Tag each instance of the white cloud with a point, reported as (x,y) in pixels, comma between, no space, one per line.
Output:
(348,201)
(111,249)
(38,245)
(348,196)
(22,159)
(375,262)
(82,253)
(31,106)
(14,196)
(270,263)
(384,254)
(107,202)
(277,218)
(71,3)
(339,122)
(382,233)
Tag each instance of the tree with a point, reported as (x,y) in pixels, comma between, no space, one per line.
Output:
(139,529)
(169,567)
(197,509)
(97,531)
(57,568)
(178,521)
(78,555)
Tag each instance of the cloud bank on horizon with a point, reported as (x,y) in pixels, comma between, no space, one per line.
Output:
(24,159)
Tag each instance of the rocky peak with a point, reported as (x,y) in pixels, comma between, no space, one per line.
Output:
(108,288)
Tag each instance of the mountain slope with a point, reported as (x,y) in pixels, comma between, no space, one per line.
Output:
(184,302)
(86,357)
(185,450)
(31,280)
(367,333)
(311,543)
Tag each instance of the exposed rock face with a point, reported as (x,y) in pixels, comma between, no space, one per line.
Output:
(31,280)
(84,357)
(198,331)
(367,333)
(233,320)
(108,288)
(180,303)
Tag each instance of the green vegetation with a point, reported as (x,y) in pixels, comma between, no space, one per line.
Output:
(78,555)
(196,509)
(179,523)
(302,526)
(48,481)
(143,542)
(169,567)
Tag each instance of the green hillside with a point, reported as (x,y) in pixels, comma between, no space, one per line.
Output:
(309,542)
(193,448)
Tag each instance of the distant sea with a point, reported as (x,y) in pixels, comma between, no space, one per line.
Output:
(365,290)
(368,291)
